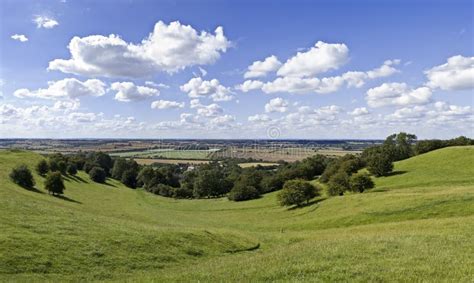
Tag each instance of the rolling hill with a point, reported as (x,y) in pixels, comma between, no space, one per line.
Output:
(415,226)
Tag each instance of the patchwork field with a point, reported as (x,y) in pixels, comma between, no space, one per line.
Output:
(167,153)
(415,226)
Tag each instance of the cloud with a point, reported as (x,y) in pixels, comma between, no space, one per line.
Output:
(223,121)
(166,104)
(361,111)
(319,59)
(456,74)
(197,87)
(397,94)
(168,48)
(329,84)
(66,88)
(153,84)
(210,110)
(67,105)
(277,105)
(262,68)
(128,91)
(249,85)
(259,118)
(20,37)
(45,22)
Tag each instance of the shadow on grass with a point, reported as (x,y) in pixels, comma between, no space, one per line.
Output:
(310,203)
(67,199)
(394,173)
(77,179)
(31,189)
(109,184)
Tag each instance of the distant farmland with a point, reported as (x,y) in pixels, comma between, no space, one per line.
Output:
(167,153)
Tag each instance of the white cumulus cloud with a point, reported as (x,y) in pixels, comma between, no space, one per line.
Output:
(170,48)
(65,88)
(249,85)
(397,94)
(262,68)
(20,37)
(319,59)
(277,105)
(456,74)
(45,22)
(166,104)
(128,91)
(197,87)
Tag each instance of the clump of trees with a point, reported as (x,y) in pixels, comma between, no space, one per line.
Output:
(42,167)
(54,183)
(98,174)
(22,176)
(360,182)
(424,146)
(296,192)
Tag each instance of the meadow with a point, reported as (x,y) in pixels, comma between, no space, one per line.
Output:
(416,225)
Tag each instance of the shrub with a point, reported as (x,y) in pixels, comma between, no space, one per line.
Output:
(22,176)
(129,178)
(89,165)
(54,183)
(72,169)
(182,192)
(338,183)
(242,192)
(296,192)
(380,165)
(42,167)
(361,182)
(97,174)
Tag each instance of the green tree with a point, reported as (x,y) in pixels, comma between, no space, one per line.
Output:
(146,176)
(42,167)
(62,167)
(296,192)
(22,176)
(53,165)
(338,183)
(72,169)
(380,165)
(361,182)
(241,192)
(97,174)
(129,178)
(54,183)
(120,165)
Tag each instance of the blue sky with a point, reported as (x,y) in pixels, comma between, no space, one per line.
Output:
(177,69)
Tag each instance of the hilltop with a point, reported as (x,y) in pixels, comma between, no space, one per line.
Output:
(416,225)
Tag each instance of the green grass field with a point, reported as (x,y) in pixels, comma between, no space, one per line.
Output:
(416,225)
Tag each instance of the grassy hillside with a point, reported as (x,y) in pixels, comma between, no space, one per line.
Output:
(416,226)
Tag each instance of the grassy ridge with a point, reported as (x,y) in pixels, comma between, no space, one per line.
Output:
(414,226)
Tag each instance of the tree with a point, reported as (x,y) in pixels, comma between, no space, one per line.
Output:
(146,176)
(97,174)
(380,165)
(120,165)
(54,183)
(62,167)
(241,192)
(103,160)
(72,169)
(361,182)
(22,176)
(42,167)
(129,178)
(89,165)
(210,183)
(296,192)
(53,165)
(338,183)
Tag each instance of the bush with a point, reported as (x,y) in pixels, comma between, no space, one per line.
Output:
(361,182)
(97,174)
(183,192)
(42,167)
(296,192)
(271,183)
(89,165)
(129,178)
(380,165)
(338,184)
(54,183)
(22,176)
(242,192)
(72,169)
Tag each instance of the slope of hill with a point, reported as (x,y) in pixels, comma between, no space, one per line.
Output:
(414,226)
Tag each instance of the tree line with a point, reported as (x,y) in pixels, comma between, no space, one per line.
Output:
(227,178)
